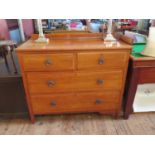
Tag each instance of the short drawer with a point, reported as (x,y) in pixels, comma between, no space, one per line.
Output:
(74,81)
(79,102)
(147,75)
(48,62)
(102,60)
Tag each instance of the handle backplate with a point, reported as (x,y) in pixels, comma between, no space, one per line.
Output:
(53,104)
(48,62)
(100,61)
(99,81)
(99,101)
(50,83)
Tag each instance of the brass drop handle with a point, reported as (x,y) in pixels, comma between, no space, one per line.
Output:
(50,83)
(100,61)
(99,81)
(48,62)
(53,104)
(98,101)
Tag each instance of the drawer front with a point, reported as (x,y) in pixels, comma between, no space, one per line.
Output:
(44,104)
(102,60)
(147,75)
(48,62)
(73,82)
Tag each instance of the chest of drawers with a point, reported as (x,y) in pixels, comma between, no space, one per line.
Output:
(73,75)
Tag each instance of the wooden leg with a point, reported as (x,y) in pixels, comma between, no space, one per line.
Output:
(131,91)
(126,115)
(32,119)
(14,65)
(6,61)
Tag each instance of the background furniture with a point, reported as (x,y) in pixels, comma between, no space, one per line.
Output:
(141,71)
(74,74)
(7,46)
(12,95)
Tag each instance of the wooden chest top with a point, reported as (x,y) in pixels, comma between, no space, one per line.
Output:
(70,42)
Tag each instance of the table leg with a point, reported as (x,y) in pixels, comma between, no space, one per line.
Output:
(6,61)
(131,91)
(14,65)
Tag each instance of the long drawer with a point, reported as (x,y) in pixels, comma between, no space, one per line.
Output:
(102,60)
(79,102)
(48,62)
(74,81)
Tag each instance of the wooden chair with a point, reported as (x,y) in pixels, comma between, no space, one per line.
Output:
(7,46)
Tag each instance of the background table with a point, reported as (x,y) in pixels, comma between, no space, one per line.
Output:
(141,70)
(5,47)
(12,95)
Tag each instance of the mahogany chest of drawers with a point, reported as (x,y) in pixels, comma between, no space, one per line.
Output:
(70,75)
